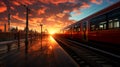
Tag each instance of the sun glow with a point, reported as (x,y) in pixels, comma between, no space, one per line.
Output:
(52,32)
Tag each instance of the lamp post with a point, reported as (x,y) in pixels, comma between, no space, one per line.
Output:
(4,27)
(41,28)
(26,29)
(9,18)
(9,15)
(41,34)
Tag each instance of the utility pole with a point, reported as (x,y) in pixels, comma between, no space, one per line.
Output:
(26,29)
(41,29)
(9,16)
(9,22)
(41,35)
(4,27)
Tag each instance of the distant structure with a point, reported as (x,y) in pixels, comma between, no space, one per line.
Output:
(0,30)
(14,29)
(9,22)
(4,27)
(9,16)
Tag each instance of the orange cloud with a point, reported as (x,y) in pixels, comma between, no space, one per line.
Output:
(76,11)
(85,5)
(66,11)
(97,1)
(25,2)
(2,7)
(51,18)
(42,11)
(60,15)
(19,25)
(36,20)
(72,1)
(45,11)
(18,18)
(12,8)
(56,2)
(16,3)
(59,25)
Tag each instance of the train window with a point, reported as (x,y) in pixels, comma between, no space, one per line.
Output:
(102,25)
(84,26)
(116,23)
(75,26)
(110,24)
(78,28)
(98,22)
(92,27)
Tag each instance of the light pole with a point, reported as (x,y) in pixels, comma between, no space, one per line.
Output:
(9,16)
(41,34)
(26,29)
(4,27)
(41,28)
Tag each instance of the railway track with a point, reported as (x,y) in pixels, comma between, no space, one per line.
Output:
(87,56)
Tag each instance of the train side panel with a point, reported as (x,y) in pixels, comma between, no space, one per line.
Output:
(106,27)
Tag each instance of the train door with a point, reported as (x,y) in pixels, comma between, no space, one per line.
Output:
(84,30)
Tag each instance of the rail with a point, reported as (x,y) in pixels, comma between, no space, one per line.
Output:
(92,57)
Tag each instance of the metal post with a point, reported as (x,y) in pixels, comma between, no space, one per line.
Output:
(26,29)
(4,27)
(41,35)
(9,22)
(9,15)
(41,29)
(18,35)
(8,47)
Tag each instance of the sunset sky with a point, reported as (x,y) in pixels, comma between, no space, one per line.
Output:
(53,14)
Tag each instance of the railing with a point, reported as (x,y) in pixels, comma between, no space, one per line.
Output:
(8,39)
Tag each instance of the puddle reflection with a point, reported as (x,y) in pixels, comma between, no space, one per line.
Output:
(35,57)
(50,47)
(44,46)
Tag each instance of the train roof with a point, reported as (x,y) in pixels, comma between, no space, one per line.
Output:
(103,11)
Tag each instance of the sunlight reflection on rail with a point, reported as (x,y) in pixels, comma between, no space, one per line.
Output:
(51,39)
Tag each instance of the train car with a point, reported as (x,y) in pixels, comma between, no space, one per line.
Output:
(103,26)
(67,31)
(73,31)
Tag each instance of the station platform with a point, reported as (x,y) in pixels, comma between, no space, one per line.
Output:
(44,52)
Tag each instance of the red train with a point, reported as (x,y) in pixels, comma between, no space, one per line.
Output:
(103,26)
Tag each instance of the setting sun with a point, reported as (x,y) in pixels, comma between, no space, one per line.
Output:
(52,31)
